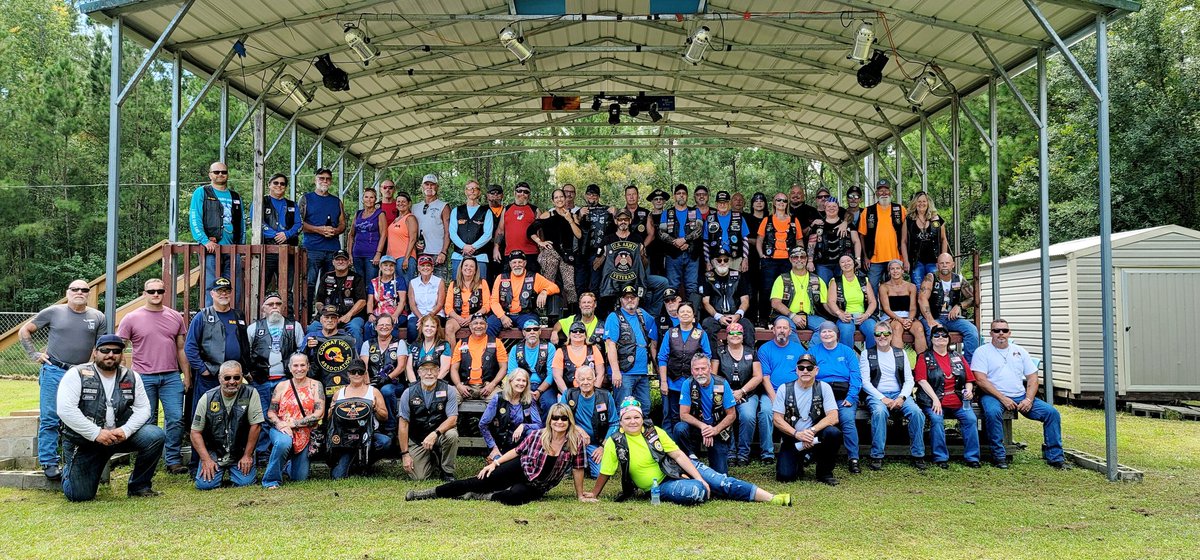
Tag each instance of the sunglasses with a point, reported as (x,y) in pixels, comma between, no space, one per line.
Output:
(883,333)
(356,372)
(853,196)
(559,418)
(110,350)
(523,191)
(735,333)
(1000,331)
(80,290)
(231,378)
(578,332)
(387,187)
(806,368)
(324,178)
(273,303)
(780,200)
(158,292)
(721,261)
(941,335)
(220,172)
(278,184)
(533,329)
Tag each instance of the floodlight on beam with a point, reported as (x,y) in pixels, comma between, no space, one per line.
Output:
(871,74)
(614,114)
(696,45)
(290,86)
(515,44)
(863,41)
(655,116)
(360,43)
(922,87)
(597,102)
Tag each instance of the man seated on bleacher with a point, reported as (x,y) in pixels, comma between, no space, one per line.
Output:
(594,411)
(518,295)
(476,364)
(725,295)
(346,290)
(593,325)
(536,357)
(944,299)
(838,367)
(707,413)
(887,378)
(428,434)
(798,295)
(1009,381)
(946,387)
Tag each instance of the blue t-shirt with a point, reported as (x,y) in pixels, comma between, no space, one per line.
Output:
(391,288)
(196,216)
(280,205)
(779,362)
(612,331)
(321,211)
(839,365)
(586,406)
(724,222)
(705,409)
(531,358)
(664,351)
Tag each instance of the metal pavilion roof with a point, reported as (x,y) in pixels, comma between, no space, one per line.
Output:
(776,76)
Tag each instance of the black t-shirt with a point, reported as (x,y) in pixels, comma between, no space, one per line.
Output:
(332,290)
(805,213)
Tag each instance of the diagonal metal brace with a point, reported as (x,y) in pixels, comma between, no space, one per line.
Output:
(154,50)
(1062,48)
(1004,75)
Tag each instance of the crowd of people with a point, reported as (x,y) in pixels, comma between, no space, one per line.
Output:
(418,308)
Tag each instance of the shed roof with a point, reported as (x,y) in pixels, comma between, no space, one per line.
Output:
(1091,245)
(777,75)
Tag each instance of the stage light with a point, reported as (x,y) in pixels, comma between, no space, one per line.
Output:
(614,114)
(635,109)
(697,43)
(922,87)
(871,74)
(360,43)
(596,103)
(291,87)
(334,78)
(655,116)
(863,41)
(514,44)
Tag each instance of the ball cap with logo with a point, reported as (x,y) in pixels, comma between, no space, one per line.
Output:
(430,178)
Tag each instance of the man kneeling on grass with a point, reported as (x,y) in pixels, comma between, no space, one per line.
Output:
(225,429)
(647,456)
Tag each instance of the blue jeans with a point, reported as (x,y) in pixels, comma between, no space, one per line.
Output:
(457,260)
(967,424)
(319,262)
(993,426)
(670,404)
(655,286)
(876,275)
(846,333)
(827,272)
(688,438)
(593,468)
(210,277)
(684,271)
(638,386)
(410,272)
(879,419)
(265,390)
(495,326)
(547,400)
(365,267)
(341,465)
(84,463)
(391,392)
(751,414)
(47,444)
(849,428)
(354,328)
(771,270)
(281,453)
(920,270)
(970,335)
(167,388)
(236,475)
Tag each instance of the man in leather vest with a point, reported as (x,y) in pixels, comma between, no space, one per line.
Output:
(104,411)
(281,227)
(725,294)
(943,301)
(216,218)
(880,227)
(471,229)
(726,231)
(224,430)
(680,229)
(707,413)
(630,335)
(428,434)
(272,338)
(216,335)
(595,413)
(888,381)
(345,289)
(806,413)
(623,262)
(655,248)
(641,223)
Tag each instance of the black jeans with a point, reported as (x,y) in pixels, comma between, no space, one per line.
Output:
(508,481)
(790,465)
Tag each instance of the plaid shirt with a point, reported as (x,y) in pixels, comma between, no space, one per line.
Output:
(533,458)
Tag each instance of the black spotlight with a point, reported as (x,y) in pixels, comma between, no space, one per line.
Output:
(655,116)
(635,108)
(614,114)
(334,78)
(871,73)
(596,103)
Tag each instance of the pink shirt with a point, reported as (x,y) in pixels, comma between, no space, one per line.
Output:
(153,336)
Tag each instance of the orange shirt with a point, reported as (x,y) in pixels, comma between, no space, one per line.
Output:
(539,283)
(887,239)
(476,347)
(461,313)
(577,354)
(781,228)
(398,239)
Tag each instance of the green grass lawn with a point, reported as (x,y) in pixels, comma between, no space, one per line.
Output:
(17,395)
(1029,511)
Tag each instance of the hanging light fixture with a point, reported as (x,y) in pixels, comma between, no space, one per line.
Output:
(922,87)
(696,44)
(655,116)
(863,41)
(515,44)
(597,102)
(360,43)
(290,86)
(871,74)
(334,78)
(614,114)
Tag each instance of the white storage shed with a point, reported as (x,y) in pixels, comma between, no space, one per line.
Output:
(1157,305)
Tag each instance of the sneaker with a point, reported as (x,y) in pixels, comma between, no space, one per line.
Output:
(920,464)
(52,472)
(782,499)
(974,464)
(1060,465)
(942,464)
(827,479)
(144,493)
(1001,464)
(854,468)
(875,464)
(176,469)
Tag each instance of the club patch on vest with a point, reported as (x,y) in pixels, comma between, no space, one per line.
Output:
(335,355)
(214,406)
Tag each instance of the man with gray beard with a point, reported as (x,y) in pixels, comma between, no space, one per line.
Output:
(272,339)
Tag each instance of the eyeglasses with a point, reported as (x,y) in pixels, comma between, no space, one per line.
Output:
(1000,331)
(805,368)
(278,184)
(883,333)
(157,292)
(83,290)
(324,178)
(109,351)
(559,418)
(231,378)
(387,187)
(219,172)
(941,335)
(569,192)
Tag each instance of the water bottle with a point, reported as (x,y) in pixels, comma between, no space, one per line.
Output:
(655,494)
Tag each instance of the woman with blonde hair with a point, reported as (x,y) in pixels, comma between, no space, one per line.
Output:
(923,238)
(467,295)
(527,472)
(510,414)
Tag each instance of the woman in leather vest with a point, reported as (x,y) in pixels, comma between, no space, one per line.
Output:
(923,238)
(510,414)
(341,460)
(431,341)
(467,295)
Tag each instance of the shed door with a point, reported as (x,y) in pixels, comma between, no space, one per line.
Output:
(1159,308)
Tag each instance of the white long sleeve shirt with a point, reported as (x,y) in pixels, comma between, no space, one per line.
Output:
(69,390)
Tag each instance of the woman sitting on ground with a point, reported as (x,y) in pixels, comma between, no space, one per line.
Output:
(342,459)
(509,415)
(526,473)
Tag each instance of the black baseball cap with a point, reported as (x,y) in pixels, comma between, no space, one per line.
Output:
(222,283)
(629,290)
(807,358)
(592,189)
(722,196)
(495,189)
(341,254)
(670,293)
(516,254)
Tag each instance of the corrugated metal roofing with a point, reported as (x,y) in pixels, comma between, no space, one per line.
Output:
(776,76)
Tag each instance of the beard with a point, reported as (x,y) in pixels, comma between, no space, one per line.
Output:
(885,200)
(275,317)
(722,270)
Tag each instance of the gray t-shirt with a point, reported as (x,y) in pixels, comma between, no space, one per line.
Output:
(72,335)
(804,403)
(428,396)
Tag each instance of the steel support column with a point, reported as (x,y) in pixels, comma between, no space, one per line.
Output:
(173,164)
(994,183)
(114,173)
(1106,267)
(1044,220)
(223,129)
(954,175)
(924,156)
(292,164)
